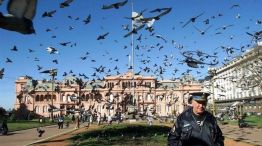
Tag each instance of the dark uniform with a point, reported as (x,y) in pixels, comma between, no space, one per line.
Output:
(193,130)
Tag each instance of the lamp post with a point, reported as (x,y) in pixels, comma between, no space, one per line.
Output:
(52,73)
(212,72)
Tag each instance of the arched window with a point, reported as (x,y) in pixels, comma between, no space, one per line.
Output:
(46,98)
(37,98)
(54,97)
(42,98)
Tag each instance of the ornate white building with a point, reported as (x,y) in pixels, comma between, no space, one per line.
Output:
(239,82)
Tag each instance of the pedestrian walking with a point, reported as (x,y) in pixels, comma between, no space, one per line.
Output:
(196,126)
(40,130)
(122,117)
(73,119)
(98,118)
(77,122)
(109,119)
(149,116)
(104,117)
(91,118)
(241,122)
(4,127)
(60,122)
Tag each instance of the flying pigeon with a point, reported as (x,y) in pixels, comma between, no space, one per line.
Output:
(30,50)
(137,15)
(39,67)
(66,3)
(50,71)
(134,30)
(202,32)
(20,16)
(87,20)
(224,27)
(114,5)
(157,10)
(100,37)
(193,19)
(8,60)
(74,98)
(14,49)
(157,17)
(235,6)
(2,73)
(161,37)
(257,36)
(53,108)
(52,50)
(49,14)
(40,131)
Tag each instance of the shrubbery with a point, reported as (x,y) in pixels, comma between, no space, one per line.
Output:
(124,134)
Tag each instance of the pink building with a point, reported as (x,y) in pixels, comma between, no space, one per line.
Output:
(166,97)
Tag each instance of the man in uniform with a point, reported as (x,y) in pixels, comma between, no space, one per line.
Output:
(196,126)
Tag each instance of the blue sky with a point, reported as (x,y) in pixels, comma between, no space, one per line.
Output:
(106,51)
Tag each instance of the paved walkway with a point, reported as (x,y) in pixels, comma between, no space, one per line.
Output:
(30,136)
(249,135)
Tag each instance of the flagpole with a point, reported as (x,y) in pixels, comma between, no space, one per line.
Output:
(132,37)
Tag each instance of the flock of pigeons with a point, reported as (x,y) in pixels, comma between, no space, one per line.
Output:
(22,12)
(21,15)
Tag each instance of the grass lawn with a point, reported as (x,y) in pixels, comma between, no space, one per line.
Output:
(255,121)
(123,134)
(21,125)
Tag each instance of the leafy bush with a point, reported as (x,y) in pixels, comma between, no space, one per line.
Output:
(124,134)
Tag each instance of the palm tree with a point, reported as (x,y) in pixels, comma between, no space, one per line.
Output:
(81,85)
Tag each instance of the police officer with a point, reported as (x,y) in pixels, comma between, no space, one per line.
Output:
(196,126)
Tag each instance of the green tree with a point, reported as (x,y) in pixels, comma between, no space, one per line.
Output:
(2,112)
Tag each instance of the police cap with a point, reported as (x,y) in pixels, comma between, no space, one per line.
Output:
(199,96)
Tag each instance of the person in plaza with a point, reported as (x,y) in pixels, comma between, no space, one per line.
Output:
(4,127)
(77,122)
(98,118)
(91,118)
(104,117)
(109,119)
(149,116)
(196,126)
(241,122)
(41,119)
(118,117)
(73,119)
(122,116)
(60,122)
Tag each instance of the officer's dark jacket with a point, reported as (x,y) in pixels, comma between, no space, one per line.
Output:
(187,132)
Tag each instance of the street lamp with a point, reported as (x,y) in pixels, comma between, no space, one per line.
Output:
(212,72)
(52,73)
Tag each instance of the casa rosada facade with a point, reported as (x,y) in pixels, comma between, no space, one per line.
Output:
(166,97)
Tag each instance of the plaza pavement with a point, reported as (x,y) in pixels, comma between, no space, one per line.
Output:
(249,135)
(27,137)
(30,136)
